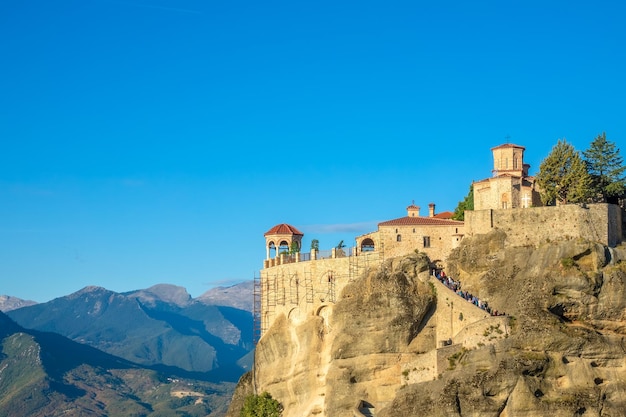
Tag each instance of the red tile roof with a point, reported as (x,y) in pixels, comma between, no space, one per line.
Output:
(283,229)
(508,145)
(421,221)
(444,215)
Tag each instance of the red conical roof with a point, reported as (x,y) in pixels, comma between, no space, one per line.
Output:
(283,229)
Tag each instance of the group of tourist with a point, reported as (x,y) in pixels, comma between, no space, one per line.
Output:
(456,287)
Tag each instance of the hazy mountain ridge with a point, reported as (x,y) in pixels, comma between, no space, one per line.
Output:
(161,325)
(8,303)
(45,374)
(238,296)
(167,293)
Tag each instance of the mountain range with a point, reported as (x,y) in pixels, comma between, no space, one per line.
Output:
(149,337)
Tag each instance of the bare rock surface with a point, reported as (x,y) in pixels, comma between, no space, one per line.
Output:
(563,352)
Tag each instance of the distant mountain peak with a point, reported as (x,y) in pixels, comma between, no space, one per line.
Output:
(238,296)
(8,303)
(168,293)
(91,288)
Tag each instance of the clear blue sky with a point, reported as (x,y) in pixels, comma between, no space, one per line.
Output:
(156,141)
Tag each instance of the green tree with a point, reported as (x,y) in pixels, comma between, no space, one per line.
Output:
(605,165)
(563,176)
(315,245)
(261,406)
(294,248)
(466,204)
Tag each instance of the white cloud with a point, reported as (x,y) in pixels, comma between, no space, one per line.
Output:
(363,227)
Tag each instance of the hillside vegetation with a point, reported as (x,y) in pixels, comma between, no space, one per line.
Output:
(46,375)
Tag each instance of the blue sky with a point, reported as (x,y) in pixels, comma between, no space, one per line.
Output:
(147,141)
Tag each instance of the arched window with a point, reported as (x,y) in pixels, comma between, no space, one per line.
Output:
(367,245)
(399,238)
(505,200)
(283,247)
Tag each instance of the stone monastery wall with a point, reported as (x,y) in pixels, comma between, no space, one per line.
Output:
(304,288)
(537,225)
(440,240)
(301,289)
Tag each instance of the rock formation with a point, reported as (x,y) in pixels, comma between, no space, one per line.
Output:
(559,351)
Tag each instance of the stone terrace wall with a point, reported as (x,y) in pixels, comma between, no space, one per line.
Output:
(533,226)
(301,289)
(453,313)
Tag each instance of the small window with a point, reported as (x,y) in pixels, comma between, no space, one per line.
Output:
(413,230)
(427,241)
(399,238)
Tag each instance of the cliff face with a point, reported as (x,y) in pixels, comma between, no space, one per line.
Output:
(560,350)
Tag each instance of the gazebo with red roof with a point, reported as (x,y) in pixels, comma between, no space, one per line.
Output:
(280,238)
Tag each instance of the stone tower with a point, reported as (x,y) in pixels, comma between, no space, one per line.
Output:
(510,186)
(509,159)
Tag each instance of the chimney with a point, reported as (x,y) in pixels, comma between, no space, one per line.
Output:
(431,210)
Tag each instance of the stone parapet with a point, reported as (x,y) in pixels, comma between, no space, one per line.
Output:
(537,225)
(300,289)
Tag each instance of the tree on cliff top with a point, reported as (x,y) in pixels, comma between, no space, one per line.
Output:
(605,165)
(563,176)
(261,406)
(466,204)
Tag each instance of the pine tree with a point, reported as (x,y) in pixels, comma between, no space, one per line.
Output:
(605,165)
(563,176)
